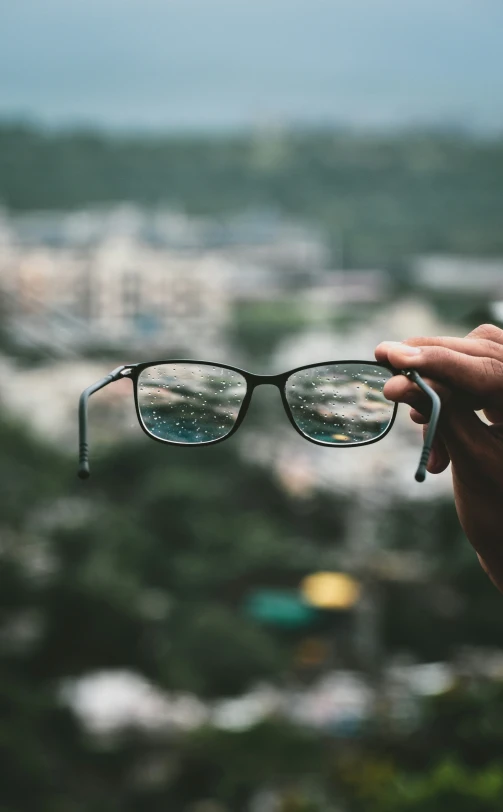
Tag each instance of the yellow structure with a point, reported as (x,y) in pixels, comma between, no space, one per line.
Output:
(330,590)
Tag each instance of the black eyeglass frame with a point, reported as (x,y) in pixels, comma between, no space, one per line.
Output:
(133,371)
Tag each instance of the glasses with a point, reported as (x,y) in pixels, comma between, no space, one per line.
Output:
(199,403)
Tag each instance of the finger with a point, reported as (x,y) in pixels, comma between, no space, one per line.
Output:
(471,345)
(489,332)
(478,376)
(402,390)
(439,456)
(494,416)
(418,417)
(469,443)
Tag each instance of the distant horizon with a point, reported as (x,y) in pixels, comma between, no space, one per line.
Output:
(124,131)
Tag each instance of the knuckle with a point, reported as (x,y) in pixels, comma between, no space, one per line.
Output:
(489,332)
(416,341)
(437,354)
(492,368)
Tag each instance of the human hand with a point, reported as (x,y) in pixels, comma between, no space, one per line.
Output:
(467,373)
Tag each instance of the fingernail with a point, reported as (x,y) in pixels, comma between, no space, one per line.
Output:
(406,349)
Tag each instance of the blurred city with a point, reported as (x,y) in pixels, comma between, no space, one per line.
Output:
(265,625)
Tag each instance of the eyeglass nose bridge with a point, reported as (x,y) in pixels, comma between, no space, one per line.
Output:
(266,380)
(278,381)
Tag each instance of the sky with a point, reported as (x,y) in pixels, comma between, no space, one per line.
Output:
(227,64)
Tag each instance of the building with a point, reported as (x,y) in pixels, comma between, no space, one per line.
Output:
(479,278)
(132,277)
(118,292)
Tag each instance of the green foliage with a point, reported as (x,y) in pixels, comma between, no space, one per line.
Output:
(466,722)
(449,785)
(258,327)
(147,567)
(388,197)
(144,567)
(453,759)
(269,754)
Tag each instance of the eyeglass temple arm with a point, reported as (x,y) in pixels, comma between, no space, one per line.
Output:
(432,424)
(83,472)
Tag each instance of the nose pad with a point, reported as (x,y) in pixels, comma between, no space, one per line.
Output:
(266,404)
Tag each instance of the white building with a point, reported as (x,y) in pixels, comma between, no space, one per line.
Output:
(118,292)
(132,278)
(478,277)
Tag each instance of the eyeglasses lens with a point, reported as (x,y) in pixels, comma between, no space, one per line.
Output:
(189,403)
(340,404)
